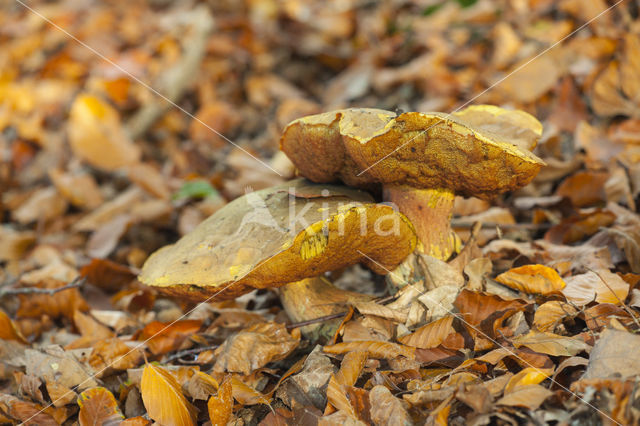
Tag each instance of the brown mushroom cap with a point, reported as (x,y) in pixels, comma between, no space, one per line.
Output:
(252,242)
(481,150)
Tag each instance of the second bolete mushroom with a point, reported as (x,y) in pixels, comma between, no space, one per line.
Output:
(421,159)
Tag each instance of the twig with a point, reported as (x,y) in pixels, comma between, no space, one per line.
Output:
(507,226)
(193,351)
(315,320)
(77,282)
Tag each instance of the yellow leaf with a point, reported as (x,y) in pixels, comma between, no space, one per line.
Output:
(550,344)
(8,330)
(374,349)
(221,406)
(246,395)
(97,136)
(430,335)
(532,279)
(98,406)
(163,398)
(528,376)
(551,313)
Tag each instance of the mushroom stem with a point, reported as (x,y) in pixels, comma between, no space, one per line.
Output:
(429,210)
(313,298)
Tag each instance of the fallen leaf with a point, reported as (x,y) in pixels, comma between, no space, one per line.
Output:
(612,356)
(163,398)
(246,395)
(81,190)
(8,330)
(53,364)
(220,406)
(528,376)
(549,343)
(384,350)
(386,408)
(255,347)
(584,188)
(430,335)
(97,136)
(550,314)
(98,407)
(166,337)
(528,396)
(532,279)
(601,286)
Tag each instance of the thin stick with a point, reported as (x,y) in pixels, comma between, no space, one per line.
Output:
(193,351)
(77,282)
(507,226)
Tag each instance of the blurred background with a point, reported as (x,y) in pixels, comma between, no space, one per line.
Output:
(124,123)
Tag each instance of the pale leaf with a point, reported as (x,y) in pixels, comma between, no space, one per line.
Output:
(163,398)
(221,406)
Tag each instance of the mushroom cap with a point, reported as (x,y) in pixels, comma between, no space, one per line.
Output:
(260,240)
(480,151)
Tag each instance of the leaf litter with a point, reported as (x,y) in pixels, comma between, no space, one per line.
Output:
(536,320)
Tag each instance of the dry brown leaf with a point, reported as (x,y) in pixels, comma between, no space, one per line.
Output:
(600,285)
(221,406)
(163,398)
(53,364)
(43,205)
(98,407)
(350,370)
(585,188)
(149,178)
(373,308)
(384,350)
(529,396)
(27,411)
(255,347)
(577,227)
(107,275)
(386,408)
(614,355)
(549,343)
(166,337)
(246,395)
(14,243)
(80,190)
(550,314)
(430,335)
(97,136)
(337,398)
(8,330)
(532,279)
(200,386)
(114,354)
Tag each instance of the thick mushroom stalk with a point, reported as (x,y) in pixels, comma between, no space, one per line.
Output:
(420,159)
(429,210)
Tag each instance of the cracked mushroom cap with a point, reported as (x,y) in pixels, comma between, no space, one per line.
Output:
(279,235)
(479,151)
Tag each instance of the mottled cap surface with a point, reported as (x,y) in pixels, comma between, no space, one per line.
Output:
(480,151)
(278,235)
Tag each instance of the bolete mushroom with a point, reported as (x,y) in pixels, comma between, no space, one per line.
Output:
(282,235)
(421,159)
